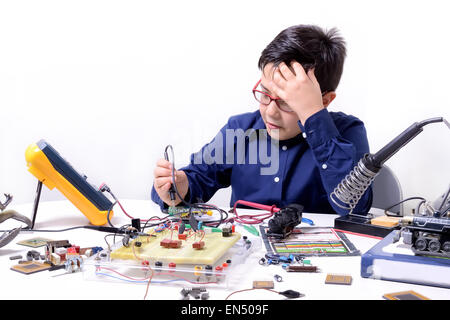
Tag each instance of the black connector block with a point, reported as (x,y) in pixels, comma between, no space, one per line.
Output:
(361,225)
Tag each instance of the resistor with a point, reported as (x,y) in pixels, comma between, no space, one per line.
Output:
(302,269)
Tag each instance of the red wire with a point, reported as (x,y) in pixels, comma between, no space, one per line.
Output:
(255,218)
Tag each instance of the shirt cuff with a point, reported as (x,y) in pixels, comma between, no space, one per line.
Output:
(319,128)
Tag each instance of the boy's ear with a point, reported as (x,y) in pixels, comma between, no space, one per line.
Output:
(328,97)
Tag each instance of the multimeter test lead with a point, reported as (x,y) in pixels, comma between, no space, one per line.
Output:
(171,190)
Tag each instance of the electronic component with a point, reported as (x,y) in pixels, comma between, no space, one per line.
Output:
(198,245)
(15,257)
(292,268)
(385,221)
(34,242)
(263,284)
(169,243)
(338,279)
(30,267)
(285,220)
(46,164)
(426,235)
(278,278)
(405,295)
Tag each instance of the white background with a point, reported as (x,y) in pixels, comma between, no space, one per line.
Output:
(110,83)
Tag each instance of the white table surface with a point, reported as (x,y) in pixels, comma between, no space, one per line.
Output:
(58,285)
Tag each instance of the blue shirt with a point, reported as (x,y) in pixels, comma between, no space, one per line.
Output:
(309,166)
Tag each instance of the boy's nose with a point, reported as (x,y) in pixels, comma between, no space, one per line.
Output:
(272,109)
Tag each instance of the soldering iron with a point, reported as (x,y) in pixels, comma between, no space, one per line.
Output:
(348,193)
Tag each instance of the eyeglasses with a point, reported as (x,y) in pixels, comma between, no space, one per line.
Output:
(265,99)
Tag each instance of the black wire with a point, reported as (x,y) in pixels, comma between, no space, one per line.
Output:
(397,215)
(39,230)
(109,212)
(187,203)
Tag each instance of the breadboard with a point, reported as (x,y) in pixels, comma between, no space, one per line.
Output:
(215,247)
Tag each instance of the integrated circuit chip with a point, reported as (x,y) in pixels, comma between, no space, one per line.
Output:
(338,279)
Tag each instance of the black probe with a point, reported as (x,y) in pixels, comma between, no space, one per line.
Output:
(115,230)
(172,192)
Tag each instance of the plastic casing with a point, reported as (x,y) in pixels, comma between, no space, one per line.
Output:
(95,267)
(40,166)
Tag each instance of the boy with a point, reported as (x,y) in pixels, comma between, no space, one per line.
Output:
(314,149)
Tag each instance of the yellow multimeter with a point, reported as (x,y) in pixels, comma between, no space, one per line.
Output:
(45,163)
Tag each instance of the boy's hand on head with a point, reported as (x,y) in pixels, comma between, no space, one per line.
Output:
(300,90)
(163,180)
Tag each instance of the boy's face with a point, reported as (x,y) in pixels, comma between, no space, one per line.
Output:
(274,118)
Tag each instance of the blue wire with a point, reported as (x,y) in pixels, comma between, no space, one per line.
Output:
(308,221)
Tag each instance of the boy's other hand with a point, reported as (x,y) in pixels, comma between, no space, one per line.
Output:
(300,90)
(163,181)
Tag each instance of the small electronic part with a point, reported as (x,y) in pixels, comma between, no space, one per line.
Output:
(73,264)
(169,243)
(285,220)
(405,295)
(385,221)
(15,257)
(30,267)
(263,284)
(198,245)
(338,279)
(295,268)
(34,242)
(33,254)
(227,230)
(196,293)
(55,258)
(278,278)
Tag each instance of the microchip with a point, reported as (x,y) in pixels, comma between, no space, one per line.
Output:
(263,285)
(405,295)
(34,242)
(338,279)
(30,267)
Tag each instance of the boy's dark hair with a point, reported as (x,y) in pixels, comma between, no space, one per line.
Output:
(311,47)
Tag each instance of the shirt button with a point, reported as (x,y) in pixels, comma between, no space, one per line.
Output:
(324,166)
(284,148)
(276,179)
(304,135)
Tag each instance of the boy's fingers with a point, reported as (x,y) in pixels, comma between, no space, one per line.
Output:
(286,72)
(166,187)
(164,163)
(276,90)
(299,70)
(312,76)
(159,182)
(162,172)
(278,78)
